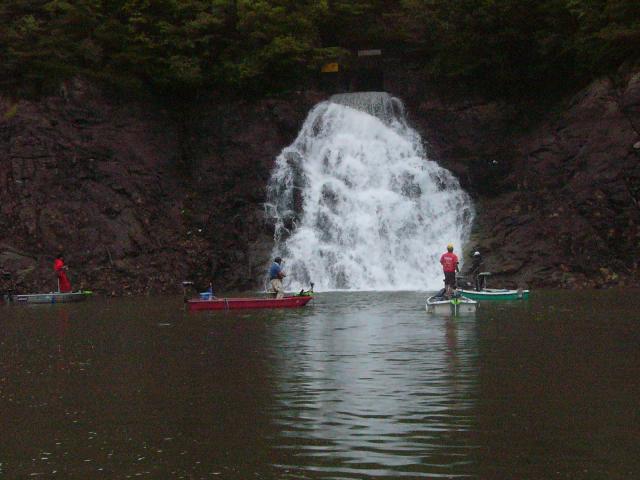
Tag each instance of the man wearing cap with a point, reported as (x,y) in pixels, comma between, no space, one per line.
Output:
(476,267)
(276,274)
(449,262)
(6,288)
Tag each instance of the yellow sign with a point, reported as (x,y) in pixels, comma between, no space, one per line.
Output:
(330,68)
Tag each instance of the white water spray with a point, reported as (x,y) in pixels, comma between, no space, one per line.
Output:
(358,206)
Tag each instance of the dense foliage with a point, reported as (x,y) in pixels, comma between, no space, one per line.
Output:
(266,46)
(520,45)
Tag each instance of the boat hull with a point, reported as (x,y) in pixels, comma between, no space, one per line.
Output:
(454,306)
(50,298)
(496,294)
(197,304)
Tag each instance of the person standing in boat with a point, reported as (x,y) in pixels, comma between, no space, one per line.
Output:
(60,268)
(476,268)
(6,287)
(449,262)
(276,274)
(208,293)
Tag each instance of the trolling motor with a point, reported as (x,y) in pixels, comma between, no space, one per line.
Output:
(185,284)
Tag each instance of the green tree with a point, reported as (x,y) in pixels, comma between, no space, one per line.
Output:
(608,33)
(267,46)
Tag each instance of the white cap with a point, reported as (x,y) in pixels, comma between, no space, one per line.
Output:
(476,253)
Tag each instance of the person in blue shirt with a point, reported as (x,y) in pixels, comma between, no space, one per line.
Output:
(276,274)
(208,293)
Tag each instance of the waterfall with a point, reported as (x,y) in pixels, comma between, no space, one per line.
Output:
(357,205)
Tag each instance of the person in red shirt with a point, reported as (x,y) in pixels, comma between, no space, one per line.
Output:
(64,285)
(449,261)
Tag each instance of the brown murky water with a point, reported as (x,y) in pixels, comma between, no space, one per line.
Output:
(358,385)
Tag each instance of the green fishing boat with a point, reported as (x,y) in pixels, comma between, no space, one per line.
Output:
(495,294)
(481,292)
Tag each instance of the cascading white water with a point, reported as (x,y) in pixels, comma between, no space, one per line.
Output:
(357,205)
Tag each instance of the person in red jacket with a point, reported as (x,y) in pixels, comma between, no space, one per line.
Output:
(449,261)
(59,267)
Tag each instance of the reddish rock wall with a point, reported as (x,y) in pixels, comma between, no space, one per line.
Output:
(140,197)
(557,189)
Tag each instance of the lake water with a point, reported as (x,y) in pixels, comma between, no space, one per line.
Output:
(353,386)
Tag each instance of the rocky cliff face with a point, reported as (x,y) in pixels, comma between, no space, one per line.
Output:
(137,197)
(81,175)
(558,193)
(140,198)
(231,149)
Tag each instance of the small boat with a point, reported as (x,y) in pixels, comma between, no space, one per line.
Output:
(295,301)
(496,294)
(483,293)
(456,305)
(53,297)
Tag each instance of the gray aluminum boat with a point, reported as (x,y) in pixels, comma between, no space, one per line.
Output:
(456,305)
(53,297)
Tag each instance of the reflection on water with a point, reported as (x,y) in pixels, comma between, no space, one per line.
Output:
(358,394)
(359,385)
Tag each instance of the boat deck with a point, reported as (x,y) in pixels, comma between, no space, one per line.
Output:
(247,303)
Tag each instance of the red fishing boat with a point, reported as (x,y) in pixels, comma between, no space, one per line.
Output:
(238,303)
